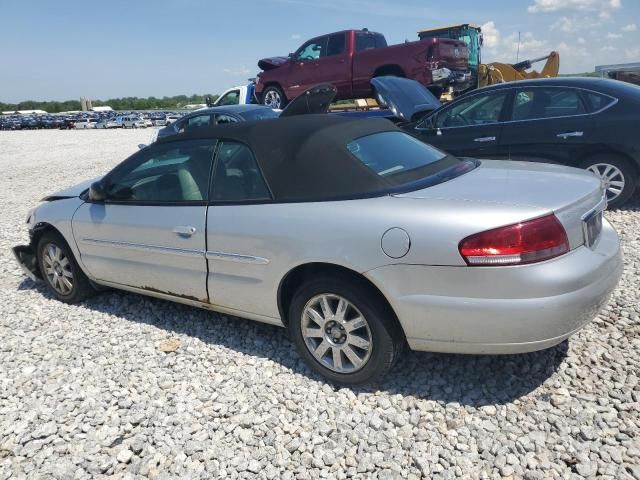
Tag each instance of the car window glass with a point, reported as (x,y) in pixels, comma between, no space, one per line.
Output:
(381,42)
(172,173)
(236,175)
(534,103)
(313,49)
(222,118)
(390,153)
(477,110)
(365,41)
(192,123)
(596,101)
(336,44)
(231,98)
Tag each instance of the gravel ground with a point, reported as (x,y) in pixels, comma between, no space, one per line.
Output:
(90,391)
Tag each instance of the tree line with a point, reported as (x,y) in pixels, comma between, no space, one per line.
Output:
(126,103)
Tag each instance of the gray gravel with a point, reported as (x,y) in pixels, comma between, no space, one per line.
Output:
(128,386)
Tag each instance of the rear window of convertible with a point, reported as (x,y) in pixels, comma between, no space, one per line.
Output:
(400,158)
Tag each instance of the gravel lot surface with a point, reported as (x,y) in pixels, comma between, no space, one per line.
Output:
(95,391)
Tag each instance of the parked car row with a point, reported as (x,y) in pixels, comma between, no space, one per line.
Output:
(85,120)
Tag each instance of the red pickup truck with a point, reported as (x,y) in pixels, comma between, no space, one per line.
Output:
(349,59)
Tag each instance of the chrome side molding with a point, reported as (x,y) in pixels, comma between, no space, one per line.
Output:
(234,257)
(209,255)
(144,247)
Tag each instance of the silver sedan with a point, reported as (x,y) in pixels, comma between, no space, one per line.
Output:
(352,234)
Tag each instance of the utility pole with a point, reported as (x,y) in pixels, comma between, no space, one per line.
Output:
(518,51)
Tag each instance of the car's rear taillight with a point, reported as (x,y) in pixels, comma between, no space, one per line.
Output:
(527,242)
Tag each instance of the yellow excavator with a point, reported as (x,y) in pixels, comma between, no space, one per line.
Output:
(496,72)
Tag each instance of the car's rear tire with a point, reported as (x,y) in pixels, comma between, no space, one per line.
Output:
(60,271)
(344,331)
(274,97)
(619,175)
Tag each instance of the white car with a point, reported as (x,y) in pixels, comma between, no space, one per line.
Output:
(84,123)
(131,121)
(240,95)
(172,118)
(108,123)
(159,121)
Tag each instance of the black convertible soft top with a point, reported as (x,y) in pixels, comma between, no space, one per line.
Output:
(305,158)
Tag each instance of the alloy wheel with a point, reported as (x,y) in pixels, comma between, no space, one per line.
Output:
(272,99)
(611,176)
(336,333)
(57,269)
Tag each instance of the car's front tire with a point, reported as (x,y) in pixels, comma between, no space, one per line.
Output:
(60,271)
(617,173)
(274,97)
(344,331)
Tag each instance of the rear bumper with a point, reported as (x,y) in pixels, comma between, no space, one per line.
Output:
(26,258)
(502,309)
(457,79)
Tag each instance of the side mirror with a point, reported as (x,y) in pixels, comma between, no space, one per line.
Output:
(97,192)
(141,146)
(208,100)
(291,55)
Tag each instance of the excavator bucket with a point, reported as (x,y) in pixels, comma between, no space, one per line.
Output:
(497,72)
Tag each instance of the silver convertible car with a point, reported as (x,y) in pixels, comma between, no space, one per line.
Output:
(354,235)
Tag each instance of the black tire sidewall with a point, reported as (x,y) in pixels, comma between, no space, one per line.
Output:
(630,175)
(81,285)
(386,338)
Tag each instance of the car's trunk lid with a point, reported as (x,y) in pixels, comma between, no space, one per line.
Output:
(572,194)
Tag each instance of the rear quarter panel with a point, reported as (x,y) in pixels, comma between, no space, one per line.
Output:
(345,233)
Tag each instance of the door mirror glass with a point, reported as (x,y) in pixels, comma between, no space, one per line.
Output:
(97,192)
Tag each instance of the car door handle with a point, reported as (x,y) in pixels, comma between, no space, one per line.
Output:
(185,231)
(485,139)
(570,134)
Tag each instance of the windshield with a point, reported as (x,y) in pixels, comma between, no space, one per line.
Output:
(402,159)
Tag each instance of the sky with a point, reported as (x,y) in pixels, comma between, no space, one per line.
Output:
(64,49)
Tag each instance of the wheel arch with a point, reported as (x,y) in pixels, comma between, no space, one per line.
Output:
(299,274)
(273,83)
(40,228)
(389,69)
